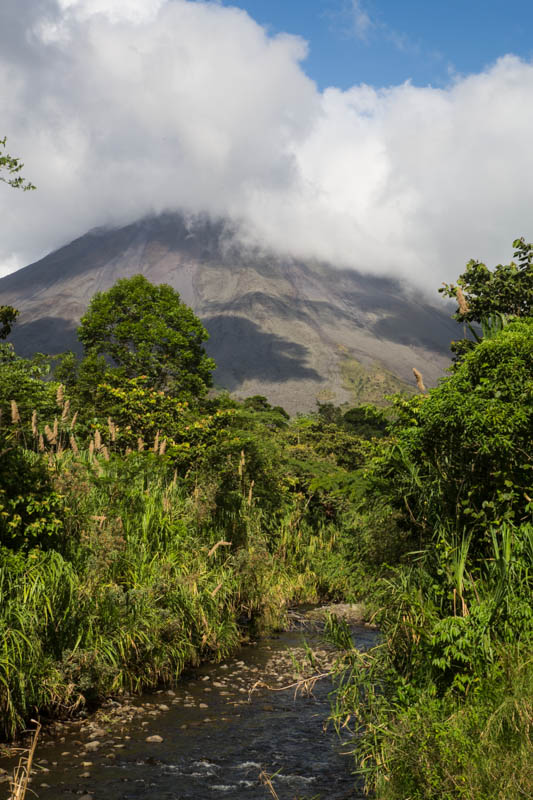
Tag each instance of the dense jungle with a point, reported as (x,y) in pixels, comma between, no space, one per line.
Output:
(149,522)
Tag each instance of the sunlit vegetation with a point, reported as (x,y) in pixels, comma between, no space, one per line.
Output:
(443,708)
(147,524)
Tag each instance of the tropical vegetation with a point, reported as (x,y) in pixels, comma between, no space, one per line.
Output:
(148,522)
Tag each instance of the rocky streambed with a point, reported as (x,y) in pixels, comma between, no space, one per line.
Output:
(223,731)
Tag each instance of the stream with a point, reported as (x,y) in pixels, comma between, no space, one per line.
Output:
(214,735)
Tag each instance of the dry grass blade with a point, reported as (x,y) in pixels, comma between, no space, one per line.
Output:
(19,782)
(303,686)
(215,547)
(266,780)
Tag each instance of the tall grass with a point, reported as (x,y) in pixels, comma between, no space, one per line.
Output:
(443,707)
(145,579)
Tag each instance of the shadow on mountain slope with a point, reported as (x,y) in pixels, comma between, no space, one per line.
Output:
(241,348)
(49,335)
(246,352)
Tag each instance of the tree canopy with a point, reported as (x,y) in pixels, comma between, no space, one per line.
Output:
(485,296)
(12,166)
(147,330)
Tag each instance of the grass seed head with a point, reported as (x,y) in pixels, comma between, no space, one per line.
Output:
(15,416)
(419,380)
(50,435)
(461,301)
(65,412)
(112,429)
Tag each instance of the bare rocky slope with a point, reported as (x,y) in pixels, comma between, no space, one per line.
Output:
(292,331)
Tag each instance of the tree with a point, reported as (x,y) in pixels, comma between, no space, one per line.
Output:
(147,330)
(13,167)
(465,456)
(488,297)
(8,315)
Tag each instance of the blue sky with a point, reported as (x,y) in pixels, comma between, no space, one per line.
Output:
(386,42)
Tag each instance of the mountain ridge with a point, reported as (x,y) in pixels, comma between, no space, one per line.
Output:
(279,326)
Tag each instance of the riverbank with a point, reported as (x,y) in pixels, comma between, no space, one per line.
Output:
(216,731)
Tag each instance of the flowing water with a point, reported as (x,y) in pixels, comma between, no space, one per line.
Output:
(217,737)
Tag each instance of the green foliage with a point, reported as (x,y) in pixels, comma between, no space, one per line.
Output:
(367,421)
(137,531)
(443,707)
(258,402)
(8,315)
(151,582)
(508,289)
(466,454)
(21,379)
(30,510)
(147,330)
(12,166)
(418,745)
(490,296)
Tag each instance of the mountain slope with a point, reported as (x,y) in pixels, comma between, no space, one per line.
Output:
(290,330)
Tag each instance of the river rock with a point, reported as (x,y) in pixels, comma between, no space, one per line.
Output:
(92,747)
(155,739)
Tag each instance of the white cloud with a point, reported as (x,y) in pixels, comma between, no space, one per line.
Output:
(124,108)
(361,20)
